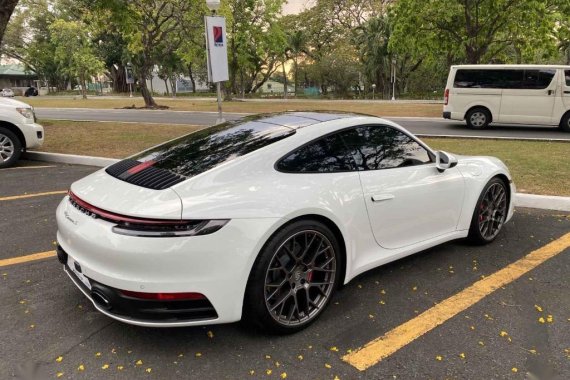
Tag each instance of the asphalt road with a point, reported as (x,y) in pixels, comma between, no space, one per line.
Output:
(48,327)
(427,126)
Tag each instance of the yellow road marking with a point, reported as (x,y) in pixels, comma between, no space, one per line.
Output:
(31,167)
(32,195)
(27,258)
(384,346)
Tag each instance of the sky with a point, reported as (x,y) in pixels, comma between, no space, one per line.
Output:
(296,6)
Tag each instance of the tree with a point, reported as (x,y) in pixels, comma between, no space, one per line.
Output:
(256,42)
(6,9)
(74,51)
(472,31)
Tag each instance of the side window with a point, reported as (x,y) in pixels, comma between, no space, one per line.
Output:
(382,147)
(567,76)
(326,155)
(537,79)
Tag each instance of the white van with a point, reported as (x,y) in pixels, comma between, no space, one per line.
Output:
(518,94)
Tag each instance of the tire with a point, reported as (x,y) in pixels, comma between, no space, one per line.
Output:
(285,291)
(10,148)
(478,118)
(565,122)
(489,215)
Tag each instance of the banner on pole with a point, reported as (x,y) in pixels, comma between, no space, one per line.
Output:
(217,49)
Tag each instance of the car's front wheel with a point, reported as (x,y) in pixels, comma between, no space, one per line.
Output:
(10,147)
(490,212)
(293,278)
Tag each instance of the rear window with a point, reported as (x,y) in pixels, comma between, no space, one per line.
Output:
(203,150)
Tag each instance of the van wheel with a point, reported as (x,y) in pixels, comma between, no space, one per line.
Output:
(478,118)
(10,148)
(565,123)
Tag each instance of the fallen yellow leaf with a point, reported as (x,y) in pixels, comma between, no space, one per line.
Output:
(59,359)
(139,362)
(148,370)
(210,334)
(327,365)
(300,357)
(198,354)
(120,367)
(439,358)
(268,371)
(59,374)
(541,320)
(98,354)
(81,367)
(538,308)
(503,333)
(334,348)
(549,319)
(514,369)
(462,355)
(105,366)
(283,375)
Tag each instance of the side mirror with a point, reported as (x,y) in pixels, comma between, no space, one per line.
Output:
(444,161)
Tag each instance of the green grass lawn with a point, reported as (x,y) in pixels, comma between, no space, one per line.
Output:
(537,167)
(189,104)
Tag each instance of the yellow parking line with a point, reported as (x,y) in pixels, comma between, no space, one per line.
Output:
(31,167)
(384,346)
(32,195)
(27,258)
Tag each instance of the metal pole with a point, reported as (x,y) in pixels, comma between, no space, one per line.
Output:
(130,90)
(394,82)
(220,117)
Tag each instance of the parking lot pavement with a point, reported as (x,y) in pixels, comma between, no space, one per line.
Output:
(519,331)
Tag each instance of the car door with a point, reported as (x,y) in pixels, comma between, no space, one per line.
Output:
(407,198)
(529,96)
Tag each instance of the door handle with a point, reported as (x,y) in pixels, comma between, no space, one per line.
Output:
(567,92)
(382,197)
(550,92)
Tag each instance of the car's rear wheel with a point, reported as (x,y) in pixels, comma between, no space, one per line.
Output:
(490,212)
(10,148)
(478,118)
(293,278)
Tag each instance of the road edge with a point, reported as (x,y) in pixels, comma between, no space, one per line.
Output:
(545,202)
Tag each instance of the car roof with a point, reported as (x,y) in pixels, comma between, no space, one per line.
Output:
(298,119)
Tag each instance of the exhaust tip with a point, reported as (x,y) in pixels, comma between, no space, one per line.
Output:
(101,299)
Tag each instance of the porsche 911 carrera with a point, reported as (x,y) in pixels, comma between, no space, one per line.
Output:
(263,218)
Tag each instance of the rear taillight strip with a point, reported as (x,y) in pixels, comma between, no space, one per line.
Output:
(117,218)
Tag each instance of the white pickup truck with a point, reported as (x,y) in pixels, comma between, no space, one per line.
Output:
(18,130)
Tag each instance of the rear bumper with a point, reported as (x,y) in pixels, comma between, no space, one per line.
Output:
(215,265)
(150,313)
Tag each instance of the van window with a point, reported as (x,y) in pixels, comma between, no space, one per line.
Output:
(567,75)
(504,78)
(474,78)
(537,79)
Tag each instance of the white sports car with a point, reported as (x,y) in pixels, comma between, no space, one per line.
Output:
(263,218)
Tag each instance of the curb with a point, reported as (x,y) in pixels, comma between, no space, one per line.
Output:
(545,202)
(69,159)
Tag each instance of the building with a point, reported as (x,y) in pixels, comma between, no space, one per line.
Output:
(17,78)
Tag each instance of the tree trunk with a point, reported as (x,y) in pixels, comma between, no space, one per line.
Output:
(295,72)
(166,85)
(173,85)
(192,80)
(147,96)
(83,88)
(6,9)
(284,82)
